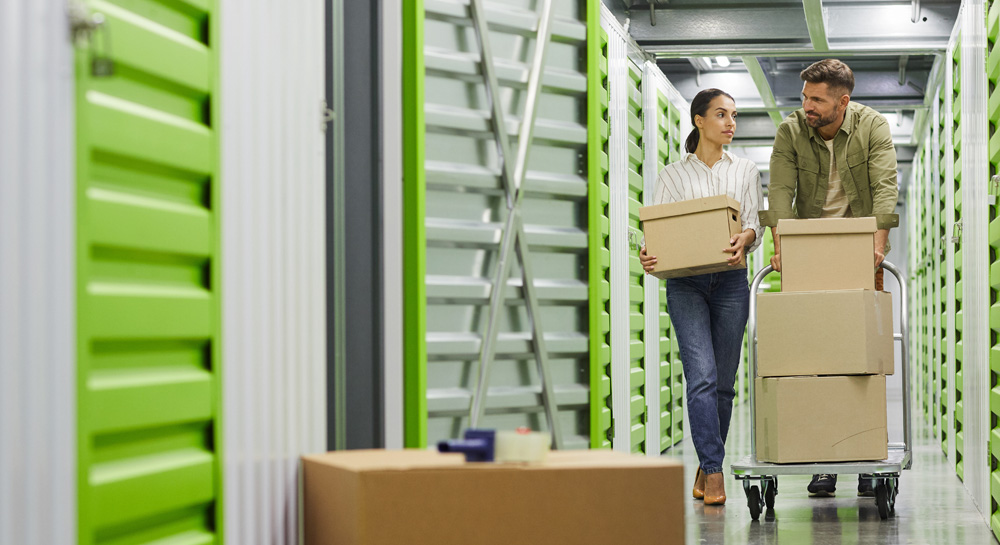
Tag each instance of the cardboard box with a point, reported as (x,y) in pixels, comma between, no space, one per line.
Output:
(854,336)
(821,419)
(419,497)
(688,237)
(827,254)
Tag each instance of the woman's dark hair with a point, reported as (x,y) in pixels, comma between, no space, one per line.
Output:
(699,106)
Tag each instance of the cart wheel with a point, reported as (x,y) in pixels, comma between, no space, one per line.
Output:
(769,494)
(882,500)
(753,502)
(893,492)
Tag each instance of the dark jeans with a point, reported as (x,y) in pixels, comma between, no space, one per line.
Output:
(709,313)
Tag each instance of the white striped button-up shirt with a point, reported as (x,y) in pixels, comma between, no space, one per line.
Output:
(691,178)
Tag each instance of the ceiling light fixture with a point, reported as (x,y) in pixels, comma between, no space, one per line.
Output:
(722,61)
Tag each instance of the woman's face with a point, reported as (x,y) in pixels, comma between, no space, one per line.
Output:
(718,125)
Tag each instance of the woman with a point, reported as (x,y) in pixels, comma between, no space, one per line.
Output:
(709,311)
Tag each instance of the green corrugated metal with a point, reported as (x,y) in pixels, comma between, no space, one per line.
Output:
(957,189)
(941,371)
(148,277)
(414,233)
(993,111)
(637,277)
(671,428)
(599,262)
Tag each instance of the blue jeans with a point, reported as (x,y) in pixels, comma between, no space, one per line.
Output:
(709,313)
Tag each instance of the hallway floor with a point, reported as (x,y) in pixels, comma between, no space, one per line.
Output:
(933,506)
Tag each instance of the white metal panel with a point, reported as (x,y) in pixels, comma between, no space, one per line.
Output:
(652,80)
(949,207)
(37,275)
(975,255)
(618,230)
(273,261)
(392,219)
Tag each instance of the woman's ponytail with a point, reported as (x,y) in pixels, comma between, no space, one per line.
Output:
(691,143)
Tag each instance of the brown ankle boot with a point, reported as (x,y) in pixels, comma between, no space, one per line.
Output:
(699,485)
(715,489)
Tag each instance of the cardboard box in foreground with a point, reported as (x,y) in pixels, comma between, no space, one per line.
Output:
(821,419)
(827,254)
(419,497)
(847,332)
(688,237)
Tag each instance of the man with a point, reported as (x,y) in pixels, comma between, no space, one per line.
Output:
(833,158)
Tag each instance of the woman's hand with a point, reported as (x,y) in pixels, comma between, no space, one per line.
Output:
(738,245)
(648,261)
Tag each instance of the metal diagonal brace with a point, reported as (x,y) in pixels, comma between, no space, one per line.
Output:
(513,233)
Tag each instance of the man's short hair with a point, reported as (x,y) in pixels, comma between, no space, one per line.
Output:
(831,72)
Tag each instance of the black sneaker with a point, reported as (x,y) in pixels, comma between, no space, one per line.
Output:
(822,485)
(865,486)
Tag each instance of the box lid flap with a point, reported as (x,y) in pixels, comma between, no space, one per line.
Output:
(687,207)
(826,226)
(377,460)
(363,461)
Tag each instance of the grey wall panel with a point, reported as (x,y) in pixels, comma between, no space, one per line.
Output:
(273,262)
(466,209)
(38,417)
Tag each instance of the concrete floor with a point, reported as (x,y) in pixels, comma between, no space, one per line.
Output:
(933,506)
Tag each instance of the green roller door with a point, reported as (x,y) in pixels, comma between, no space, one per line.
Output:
(671,383)
(993,111)
(462,321)
(636,276)
(148,276)
(599,264)
(944,186)
(957,189)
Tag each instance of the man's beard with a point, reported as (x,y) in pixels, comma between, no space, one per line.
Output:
(821,121)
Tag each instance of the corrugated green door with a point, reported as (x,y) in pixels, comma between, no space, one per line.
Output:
(671,382)
(957,189)
(993,111)
(147,258)
(636,276)
(944,187)
(599,257)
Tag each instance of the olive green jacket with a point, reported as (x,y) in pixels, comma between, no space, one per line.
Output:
(800,168)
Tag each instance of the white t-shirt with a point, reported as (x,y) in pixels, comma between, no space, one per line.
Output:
(836,205)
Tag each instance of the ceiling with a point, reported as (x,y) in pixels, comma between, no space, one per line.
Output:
(890,45)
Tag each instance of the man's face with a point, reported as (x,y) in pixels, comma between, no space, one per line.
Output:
(822,105)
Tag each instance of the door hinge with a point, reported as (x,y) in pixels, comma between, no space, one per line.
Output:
(327,116)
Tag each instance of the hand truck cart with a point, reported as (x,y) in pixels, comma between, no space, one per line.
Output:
(885,473)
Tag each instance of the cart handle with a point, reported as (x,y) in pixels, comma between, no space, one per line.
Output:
(903,336)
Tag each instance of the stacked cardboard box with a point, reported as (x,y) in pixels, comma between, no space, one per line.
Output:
(825,344)
(418,497)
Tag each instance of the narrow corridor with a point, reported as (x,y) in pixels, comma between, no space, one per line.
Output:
(932,508)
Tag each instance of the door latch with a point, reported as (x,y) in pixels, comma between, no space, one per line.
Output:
(956,233)
(84,26)
(993,191)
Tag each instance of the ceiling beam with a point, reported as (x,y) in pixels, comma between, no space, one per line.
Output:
(848,28)
(816,23)
(763,87)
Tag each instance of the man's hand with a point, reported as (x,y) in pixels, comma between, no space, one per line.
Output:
(648,261)
(776,258)
(738,244)
(881,239)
